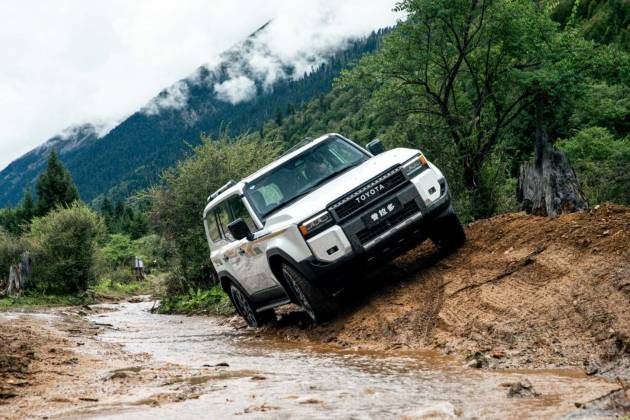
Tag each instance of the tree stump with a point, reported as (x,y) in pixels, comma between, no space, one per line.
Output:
(15,281)
(549,186)
(19,275)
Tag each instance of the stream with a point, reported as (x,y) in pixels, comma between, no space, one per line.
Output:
(274,378)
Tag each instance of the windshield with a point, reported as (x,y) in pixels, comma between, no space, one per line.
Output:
(302,174)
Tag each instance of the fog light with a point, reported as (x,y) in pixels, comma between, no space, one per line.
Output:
(332,250)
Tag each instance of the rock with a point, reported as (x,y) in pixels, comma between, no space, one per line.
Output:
(258,378)
(222,364)
(521,389)
(477,361)
(117,375)
(7,395)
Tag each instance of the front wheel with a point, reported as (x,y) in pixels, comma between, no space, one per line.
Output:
(447,232)
(317,304)
(244,308)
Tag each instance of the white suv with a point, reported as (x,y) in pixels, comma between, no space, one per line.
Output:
(324,212)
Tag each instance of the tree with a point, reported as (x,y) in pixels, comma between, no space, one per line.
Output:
(55,187)
(27,207)
(457,64)
(177,207)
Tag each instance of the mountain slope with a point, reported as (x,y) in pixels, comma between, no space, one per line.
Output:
(24,171)
(235,95)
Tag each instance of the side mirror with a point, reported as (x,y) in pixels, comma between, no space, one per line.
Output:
(239,230)
(375,147)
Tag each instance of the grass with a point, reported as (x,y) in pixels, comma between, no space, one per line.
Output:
(33,298)
(211,301)
(110,289)
(105,289)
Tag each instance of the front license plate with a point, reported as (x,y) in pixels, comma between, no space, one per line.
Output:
(382,212)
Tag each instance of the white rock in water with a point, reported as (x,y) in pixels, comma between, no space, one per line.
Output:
(435,410)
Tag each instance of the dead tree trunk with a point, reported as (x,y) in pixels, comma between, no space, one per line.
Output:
(548,186)
(15,281)
(18,276)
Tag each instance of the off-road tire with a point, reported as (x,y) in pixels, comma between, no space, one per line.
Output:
(246,310)
(318,305)
(447,233)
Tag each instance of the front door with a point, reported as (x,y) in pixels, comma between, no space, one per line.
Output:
(245,257)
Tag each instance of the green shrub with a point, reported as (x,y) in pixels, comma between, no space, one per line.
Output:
(119,251)
(602,164)
(156,251)
(63,245)
(213,300)
(177,207)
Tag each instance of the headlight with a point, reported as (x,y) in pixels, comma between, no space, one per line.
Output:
(414,165)
(315,222)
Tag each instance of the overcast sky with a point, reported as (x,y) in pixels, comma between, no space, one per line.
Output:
(66,62)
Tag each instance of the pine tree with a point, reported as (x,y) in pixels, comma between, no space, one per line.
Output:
(27,207)
(55,187)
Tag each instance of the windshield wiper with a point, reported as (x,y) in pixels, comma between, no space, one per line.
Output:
(321,181)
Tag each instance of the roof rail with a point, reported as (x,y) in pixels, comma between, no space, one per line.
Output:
(227,185)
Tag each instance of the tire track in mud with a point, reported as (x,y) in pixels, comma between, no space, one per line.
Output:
(544,292)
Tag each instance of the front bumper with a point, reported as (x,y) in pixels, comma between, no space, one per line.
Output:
(395,236)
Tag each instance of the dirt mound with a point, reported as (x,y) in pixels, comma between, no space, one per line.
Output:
(524,291)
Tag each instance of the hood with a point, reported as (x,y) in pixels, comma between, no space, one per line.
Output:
(317,200)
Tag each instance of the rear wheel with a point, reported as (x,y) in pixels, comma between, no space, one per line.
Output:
(245,309)
(317,304)
(447,232)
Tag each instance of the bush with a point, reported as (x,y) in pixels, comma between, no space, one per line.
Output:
(119,251)
(213,300)
(156,251)
(177,207)
(602,164)
(64,245)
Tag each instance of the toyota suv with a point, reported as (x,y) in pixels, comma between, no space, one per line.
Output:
(326,211)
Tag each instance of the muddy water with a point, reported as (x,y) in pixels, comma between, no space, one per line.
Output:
(271,379)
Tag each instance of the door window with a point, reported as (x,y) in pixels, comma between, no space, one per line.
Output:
(239,210)
(223,218)
(225,213)
(213,228)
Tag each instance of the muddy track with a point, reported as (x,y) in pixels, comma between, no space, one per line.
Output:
(523,291)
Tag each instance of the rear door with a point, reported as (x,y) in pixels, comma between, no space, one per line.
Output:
(223,249)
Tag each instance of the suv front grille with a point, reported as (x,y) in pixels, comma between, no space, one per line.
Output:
(368,234)
(351,203)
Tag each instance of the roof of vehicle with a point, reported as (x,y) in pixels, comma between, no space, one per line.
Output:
(238,186)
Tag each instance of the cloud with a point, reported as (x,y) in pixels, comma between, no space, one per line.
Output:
(174,96)
(235,90)
(70,62)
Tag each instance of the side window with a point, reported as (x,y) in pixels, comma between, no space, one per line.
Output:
(240,211)
(213,227)
(223,218)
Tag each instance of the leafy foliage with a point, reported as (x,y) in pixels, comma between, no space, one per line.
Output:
(602,163)
(213,300)
(124,219)
(63,246)
(177,208)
